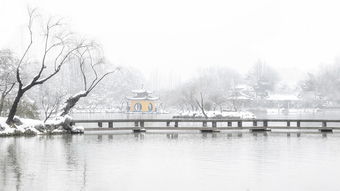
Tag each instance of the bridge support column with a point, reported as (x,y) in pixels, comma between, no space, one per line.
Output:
(239,124)
(100,124)
(204,124)
(176,123)
(110,124)
(288,123)
(324,128)
(261,129)
(265,123)
(214,124)
(230,123)
(136,124)
(254,123)
(168,123)
(298,124)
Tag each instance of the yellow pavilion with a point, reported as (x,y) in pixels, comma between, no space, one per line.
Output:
(142,101)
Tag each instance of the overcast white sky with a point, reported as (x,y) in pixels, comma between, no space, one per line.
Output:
(181,36)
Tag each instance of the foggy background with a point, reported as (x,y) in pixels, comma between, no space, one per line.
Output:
(169,42)
(237,55)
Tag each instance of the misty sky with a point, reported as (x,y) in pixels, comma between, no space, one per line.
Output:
(171,40)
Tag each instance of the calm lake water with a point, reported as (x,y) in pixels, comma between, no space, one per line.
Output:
(170,161)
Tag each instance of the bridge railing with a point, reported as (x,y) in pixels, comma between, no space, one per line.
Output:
(256,124)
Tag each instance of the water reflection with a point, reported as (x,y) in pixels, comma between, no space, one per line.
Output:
(100,138)
(172,135)
(139,136)
(13,160)
(110,137)
(84,176)
(225,161)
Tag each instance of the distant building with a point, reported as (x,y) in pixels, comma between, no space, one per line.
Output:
(142,101)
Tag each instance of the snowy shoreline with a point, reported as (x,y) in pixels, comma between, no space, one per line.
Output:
(31,127)
(217,114)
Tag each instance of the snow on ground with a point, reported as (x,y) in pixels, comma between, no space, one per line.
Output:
(35,127)
(219,114)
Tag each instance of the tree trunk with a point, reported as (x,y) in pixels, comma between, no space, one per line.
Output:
(2,100)
(203,111)
(14,107)
(201,106)
(71,102)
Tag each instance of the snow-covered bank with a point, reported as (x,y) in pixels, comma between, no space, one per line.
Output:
(23,126)
(217,114)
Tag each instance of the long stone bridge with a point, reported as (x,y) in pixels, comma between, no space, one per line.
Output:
(210,125)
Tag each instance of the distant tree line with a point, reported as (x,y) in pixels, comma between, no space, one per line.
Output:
(322,88)
(221,88)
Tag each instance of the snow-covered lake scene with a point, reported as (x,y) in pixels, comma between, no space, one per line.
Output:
(169,95)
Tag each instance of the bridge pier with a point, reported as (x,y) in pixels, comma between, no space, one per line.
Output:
(260,129)
(265,123)
(239,124)
(110,125)
(210,130)
(324,128)
(100,124)
(213,128)
(254,123)
(141,130)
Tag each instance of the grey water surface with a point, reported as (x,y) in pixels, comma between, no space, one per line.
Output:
(172,161)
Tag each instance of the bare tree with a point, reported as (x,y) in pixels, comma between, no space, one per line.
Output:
(7,75)
(200,104)
(50,102)
(57,48)
(88,61)
(262,78)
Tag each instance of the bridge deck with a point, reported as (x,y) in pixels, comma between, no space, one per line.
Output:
(213,124)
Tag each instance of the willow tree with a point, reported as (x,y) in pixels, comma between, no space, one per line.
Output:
(56,47)
(89,62)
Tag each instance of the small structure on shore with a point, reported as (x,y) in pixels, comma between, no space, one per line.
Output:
(142,101)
